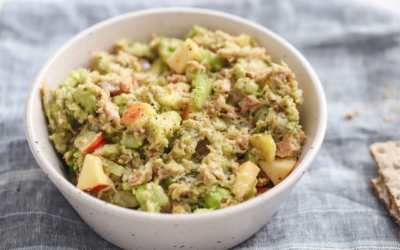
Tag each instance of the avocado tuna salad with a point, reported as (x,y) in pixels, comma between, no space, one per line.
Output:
(178,125)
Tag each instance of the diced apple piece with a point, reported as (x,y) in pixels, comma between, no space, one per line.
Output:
(137,114)
(252,191)
(92,176)
(90,141)
(279,169)
(98,143)
(265,144)
(156,68)
(187,51)
(245,178)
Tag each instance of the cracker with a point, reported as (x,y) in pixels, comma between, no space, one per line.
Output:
(382,193)
(387,158)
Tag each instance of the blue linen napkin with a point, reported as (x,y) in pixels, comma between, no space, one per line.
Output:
(355,50)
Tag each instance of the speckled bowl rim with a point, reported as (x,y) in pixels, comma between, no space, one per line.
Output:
(65,185)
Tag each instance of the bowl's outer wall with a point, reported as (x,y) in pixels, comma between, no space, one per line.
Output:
(218,226)
(219,234)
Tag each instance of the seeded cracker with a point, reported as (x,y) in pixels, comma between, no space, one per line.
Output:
(382,193)
(387,158)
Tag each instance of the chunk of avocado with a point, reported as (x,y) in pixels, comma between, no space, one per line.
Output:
(85,97)
(75,78)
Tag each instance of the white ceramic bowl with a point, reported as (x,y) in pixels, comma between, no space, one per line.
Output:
(132,229)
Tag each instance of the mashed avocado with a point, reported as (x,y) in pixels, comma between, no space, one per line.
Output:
(178,125)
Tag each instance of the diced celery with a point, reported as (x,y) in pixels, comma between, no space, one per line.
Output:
(130,141)
(200,94)
(159,195)
(139,49)
(113,167)
(196,31)
(157,67)
(110,151)
(250,87)
(151,197)
(127,199)
(112,137)
(141,194)
(250,157)
(126,187)
(139,189)
(192,174)
(69,155)
(75,78)
(141,153)
(167,182)
(227,148)
(198,79)
(72,159)
(196,73)
(214,199)
(215,62)
(239,71)
(167,46)
(260,114)
(115,178)
(226,166)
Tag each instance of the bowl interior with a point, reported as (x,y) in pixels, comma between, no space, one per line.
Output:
(175,23)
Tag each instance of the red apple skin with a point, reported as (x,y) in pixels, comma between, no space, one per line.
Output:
(96,188)
(261,190)
(98,143)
